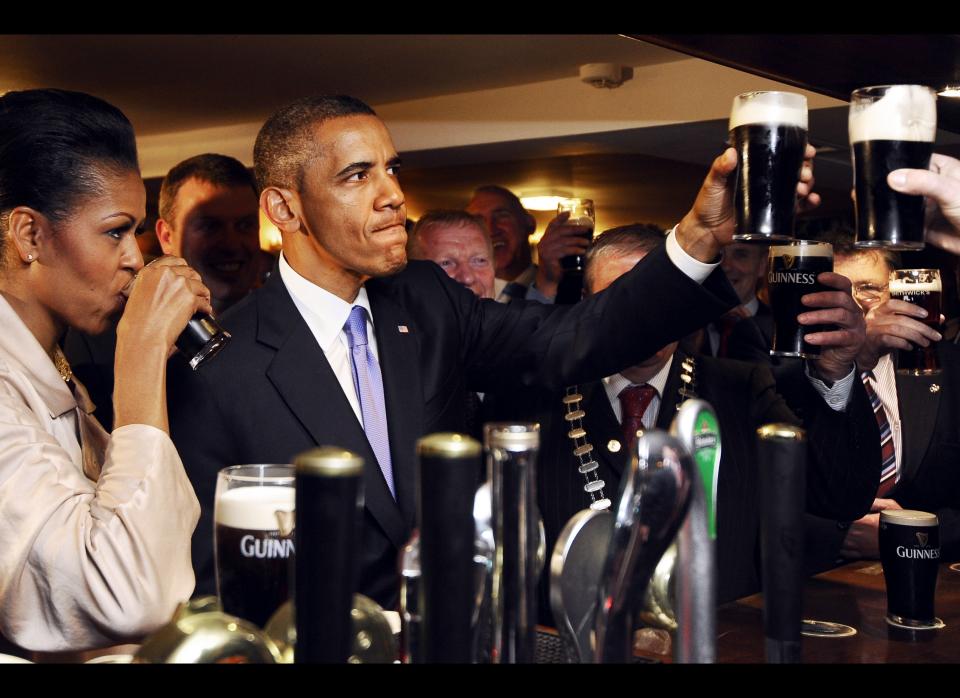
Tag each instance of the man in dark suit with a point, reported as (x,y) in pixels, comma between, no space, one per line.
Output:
(348,345)
(746,332)
(841,434)
(922,414)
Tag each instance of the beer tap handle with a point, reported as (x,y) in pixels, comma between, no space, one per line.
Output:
(448,474)
(575,567)
(654,497)
(696,427)
(329,512)
(781,450)
(410,601)
(483,559)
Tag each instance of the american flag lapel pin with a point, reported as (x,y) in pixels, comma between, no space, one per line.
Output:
(402,329)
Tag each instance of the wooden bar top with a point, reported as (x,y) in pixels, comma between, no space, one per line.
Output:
(854,595)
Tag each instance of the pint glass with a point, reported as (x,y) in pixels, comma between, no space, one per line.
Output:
(769,132)
(254,539)
(570,288)
(792,272)
(910,553)
(891,126)
(920,287)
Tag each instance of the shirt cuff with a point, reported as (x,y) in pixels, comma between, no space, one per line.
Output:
(836,396)
(694,268)
(533,294)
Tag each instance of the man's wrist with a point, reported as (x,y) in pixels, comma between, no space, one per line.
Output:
(697,242)
(830,374)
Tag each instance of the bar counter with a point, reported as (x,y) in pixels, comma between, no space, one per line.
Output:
(854,595)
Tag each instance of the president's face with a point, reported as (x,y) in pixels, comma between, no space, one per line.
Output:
(352,203)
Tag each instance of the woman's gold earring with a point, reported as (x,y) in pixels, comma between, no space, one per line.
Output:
(29,257)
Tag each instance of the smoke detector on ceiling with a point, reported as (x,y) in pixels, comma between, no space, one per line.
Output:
(607,75)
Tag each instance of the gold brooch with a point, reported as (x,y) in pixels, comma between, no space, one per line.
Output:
(63,366)
(935,388)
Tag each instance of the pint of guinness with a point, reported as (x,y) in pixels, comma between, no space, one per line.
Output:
(891,126)
(910,553)
(570,288)
(921,287)
(769,132)
(253,539)
(792,271)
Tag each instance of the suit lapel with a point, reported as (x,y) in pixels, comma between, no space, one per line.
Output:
(399,363)
(603,431)
(668,401)
(303,377)
(918,407)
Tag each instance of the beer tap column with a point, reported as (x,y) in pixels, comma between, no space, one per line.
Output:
(448,474)
(782,453)
(695,425)
(329,513)
(511,456)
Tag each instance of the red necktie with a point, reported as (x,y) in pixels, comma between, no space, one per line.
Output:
(725,328)
(634,401)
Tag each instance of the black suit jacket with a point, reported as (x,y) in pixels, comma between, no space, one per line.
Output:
(841,476)
(750,339)
(271,394)
(930,465)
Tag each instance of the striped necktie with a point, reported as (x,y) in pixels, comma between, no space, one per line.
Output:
(888,457)
(369,386)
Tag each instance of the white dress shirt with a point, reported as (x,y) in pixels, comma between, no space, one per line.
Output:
(836,396)
(325,315)
(615,384)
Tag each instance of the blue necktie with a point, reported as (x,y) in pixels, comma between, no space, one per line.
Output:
(369,386)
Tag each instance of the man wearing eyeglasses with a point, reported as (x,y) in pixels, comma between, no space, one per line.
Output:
(919,416)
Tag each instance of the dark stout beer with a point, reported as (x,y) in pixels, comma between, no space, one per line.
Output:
(769,132)
(910,553)
(792,272)
(570,287)
(891,127)
(254,549)
(201,339)
(920,287)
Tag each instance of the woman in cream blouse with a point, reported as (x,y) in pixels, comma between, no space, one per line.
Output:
(94,527)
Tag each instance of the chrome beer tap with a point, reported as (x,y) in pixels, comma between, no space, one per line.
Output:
(655,494)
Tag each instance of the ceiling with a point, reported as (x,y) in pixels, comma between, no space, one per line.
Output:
(170,83)
(648,169)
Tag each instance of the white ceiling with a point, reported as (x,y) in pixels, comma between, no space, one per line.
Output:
(167,83)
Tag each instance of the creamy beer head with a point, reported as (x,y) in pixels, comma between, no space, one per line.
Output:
(908,517)
(893,113)
(909,284)
(254,508)
(805,248)
(785,108)
(769,132)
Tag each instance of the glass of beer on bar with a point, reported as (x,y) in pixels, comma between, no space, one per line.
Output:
(909,544)
(792,271)
(253,541)
(891,126)
(920,287)
(769,132)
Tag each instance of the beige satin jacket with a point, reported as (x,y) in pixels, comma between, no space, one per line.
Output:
(94,539)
